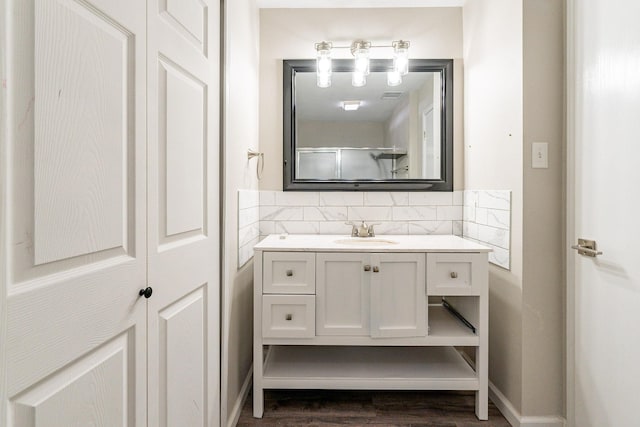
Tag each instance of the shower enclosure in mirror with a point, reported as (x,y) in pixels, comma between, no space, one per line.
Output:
(374,137)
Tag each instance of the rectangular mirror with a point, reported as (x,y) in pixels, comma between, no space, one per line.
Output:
(373,137)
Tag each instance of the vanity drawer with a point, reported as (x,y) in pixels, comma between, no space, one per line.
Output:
(455,274)
(289,273)
(288,316)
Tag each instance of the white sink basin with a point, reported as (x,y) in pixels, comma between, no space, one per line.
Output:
(365,241)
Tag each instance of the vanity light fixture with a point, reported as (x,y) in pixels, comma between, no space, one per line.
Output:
(350,105)
(360,49)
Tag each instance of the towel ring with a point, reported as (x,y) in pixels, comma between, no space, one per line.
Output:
(260,166)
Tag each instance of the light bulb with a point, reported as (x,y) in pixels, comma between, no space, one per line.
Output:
(360,52)
(323,80)
(401,57)
(394,78)
(358,79)
(323,64)
(362,61)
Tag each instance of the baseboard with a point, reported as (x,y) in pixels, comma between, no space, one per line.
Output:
(514,417)
(234,416)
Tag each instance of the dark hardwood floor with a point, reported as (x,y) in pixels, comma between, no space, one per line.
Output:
(369,408)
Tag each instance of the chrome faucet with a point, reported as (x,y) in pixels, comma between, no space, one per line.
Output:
(362,230)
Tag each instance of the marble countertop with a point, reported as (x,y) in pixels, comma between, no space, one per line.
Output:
(381,243)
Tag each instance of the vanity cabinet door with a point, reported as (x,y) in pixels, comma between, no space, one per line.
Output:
(342,294)
(398,297)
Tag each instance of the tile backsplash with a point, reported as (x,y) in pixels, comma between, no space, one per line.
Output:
(487,220)
(248,224)
(483,216)
(327,212)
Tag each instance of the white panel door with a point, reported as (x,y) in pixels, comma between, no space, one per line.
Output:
(342,294)
(75,215)
(183,80)
(398,295)
(604,201)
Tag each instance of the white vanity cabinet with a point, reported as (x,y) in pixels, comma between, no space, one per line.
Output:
(336,313)
(370,294)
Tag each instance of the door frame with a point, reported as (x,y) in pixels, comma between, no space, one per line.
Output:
(570,255)
(4,246)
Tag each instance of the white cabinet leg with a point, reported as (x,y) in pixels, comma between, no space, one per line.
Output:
(258,391)
(482,360)
(258,401)
(482,395)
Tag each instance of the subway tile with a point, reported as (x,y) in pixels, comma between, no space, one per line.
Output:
(481,216)
(277,213)
(391,227)
(369,214)
(247,234)
(458,198)
(430,198)
(470,230)
(334,227)
(267,198)
(449,213)
(494,236)
(500,257)
(245,252)
(469,213)
(494,199)
(430,227)
(341,198)
(248,199)
(267,227)
(297,198)
(415,213)
(386,198)
(457,228)
(248,216)
(499,219)
(297,227)
(470,198)
(325,213)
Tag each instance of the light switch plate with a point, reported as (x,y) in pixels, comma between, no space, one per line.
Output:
(539,155)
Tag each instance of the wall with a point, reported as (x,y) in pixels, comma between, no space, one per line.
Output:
(240,134)
(513,52)
(4,168)
(543,214)
(291,34)
(493,110)
(340,134)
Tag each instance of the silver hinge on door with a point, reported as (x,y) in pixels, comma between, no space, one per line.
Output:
(587,248)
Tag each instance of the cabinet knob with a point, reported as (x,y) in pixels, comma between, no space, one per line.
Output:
(376,269)
(367,268)
(454,275)
(289,317)
(146,292)
(289,273)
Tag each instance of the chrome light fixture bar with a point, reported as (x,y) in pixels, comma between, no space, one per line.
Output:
(360,49)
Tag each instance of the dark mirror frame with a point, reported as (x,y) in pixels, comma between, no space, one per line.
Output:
(290,183)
